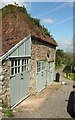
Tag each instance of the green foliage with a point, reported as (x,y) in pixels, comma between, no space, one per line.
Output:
(7,112)
(13,9)
(8,10)
(67,69)
(44,30)
(64,58)
(59,57)
(72,76)
(35,21)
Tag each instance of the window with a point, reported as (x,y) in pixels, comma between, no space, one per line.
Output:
(38,66)
(43,65)
(12,63)
(25,65)
(19,65)
(50,65)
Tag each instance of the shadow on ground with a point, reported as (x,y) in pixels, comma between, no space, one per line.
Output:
(70,105)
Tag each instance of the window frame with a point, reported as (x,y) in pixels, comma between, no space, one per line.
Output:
(42,66)
(17,67)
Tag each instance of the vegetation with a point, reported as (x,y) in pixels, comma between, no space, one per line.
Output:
(72,76)
(60,57)
(7,111)
(65,59)
(15,9)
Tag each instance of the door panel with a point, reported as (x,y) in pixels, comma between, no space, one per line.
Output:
(50,72)
(25,84)
(15,89)
(41,75)
(19,83)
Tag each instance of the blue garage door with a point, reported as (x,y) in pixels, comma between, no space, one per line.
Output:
(19,82)
(41,75)
(50,72)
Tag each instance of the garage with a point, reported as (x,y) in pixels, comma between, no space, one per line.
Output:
(19,80)
(50,72)
(41,75)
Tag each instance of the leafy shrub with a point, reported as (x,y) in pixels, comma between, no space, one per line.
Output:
(72,76)
(7,112)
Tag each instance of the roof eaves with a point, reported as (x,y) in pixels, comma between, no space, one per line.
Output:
(54,44)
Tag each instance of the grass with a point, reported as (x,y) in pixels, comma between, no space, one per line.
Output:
(7,112)
(58,67)
(70,76)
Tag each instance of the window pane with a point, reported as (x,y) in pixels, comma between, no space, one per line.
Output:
(38,64)
(15,70)
(12,63)
(18,69)
(38,69)
(22,68)
(18,62)
(23,62)
(27,61)
(15,62)
(12,71)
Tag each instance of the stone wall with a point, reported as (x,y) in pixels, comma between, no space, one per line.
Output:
(1,78)
(39,51)
(6,82)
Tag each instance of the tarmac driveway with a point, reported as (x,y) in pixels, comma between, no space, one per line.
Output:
(53,106)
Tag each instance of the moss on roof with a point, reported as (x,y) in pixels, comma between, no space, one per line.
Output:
(16,25)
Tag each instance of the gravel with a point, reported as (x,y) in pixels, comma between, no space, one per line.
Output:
(54,106)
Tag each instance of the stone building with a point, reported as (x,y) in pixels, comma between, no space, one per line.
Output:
(28,60)
(28,68)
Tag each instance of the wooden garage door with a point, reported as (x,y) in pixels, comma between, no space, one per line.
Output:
(50,72)
(19,80)
(41,75)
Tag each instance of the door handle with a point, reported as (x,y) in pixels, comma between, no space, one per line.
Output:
(22,74)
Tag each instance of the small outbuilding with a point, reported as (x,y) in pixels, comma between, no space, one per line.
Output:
(28,59)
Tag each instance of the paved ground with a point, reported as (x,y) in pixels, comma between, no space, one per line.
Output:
(54,105)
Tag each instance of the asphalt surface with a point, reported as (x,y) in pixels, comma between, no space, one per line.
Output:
(55,106)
